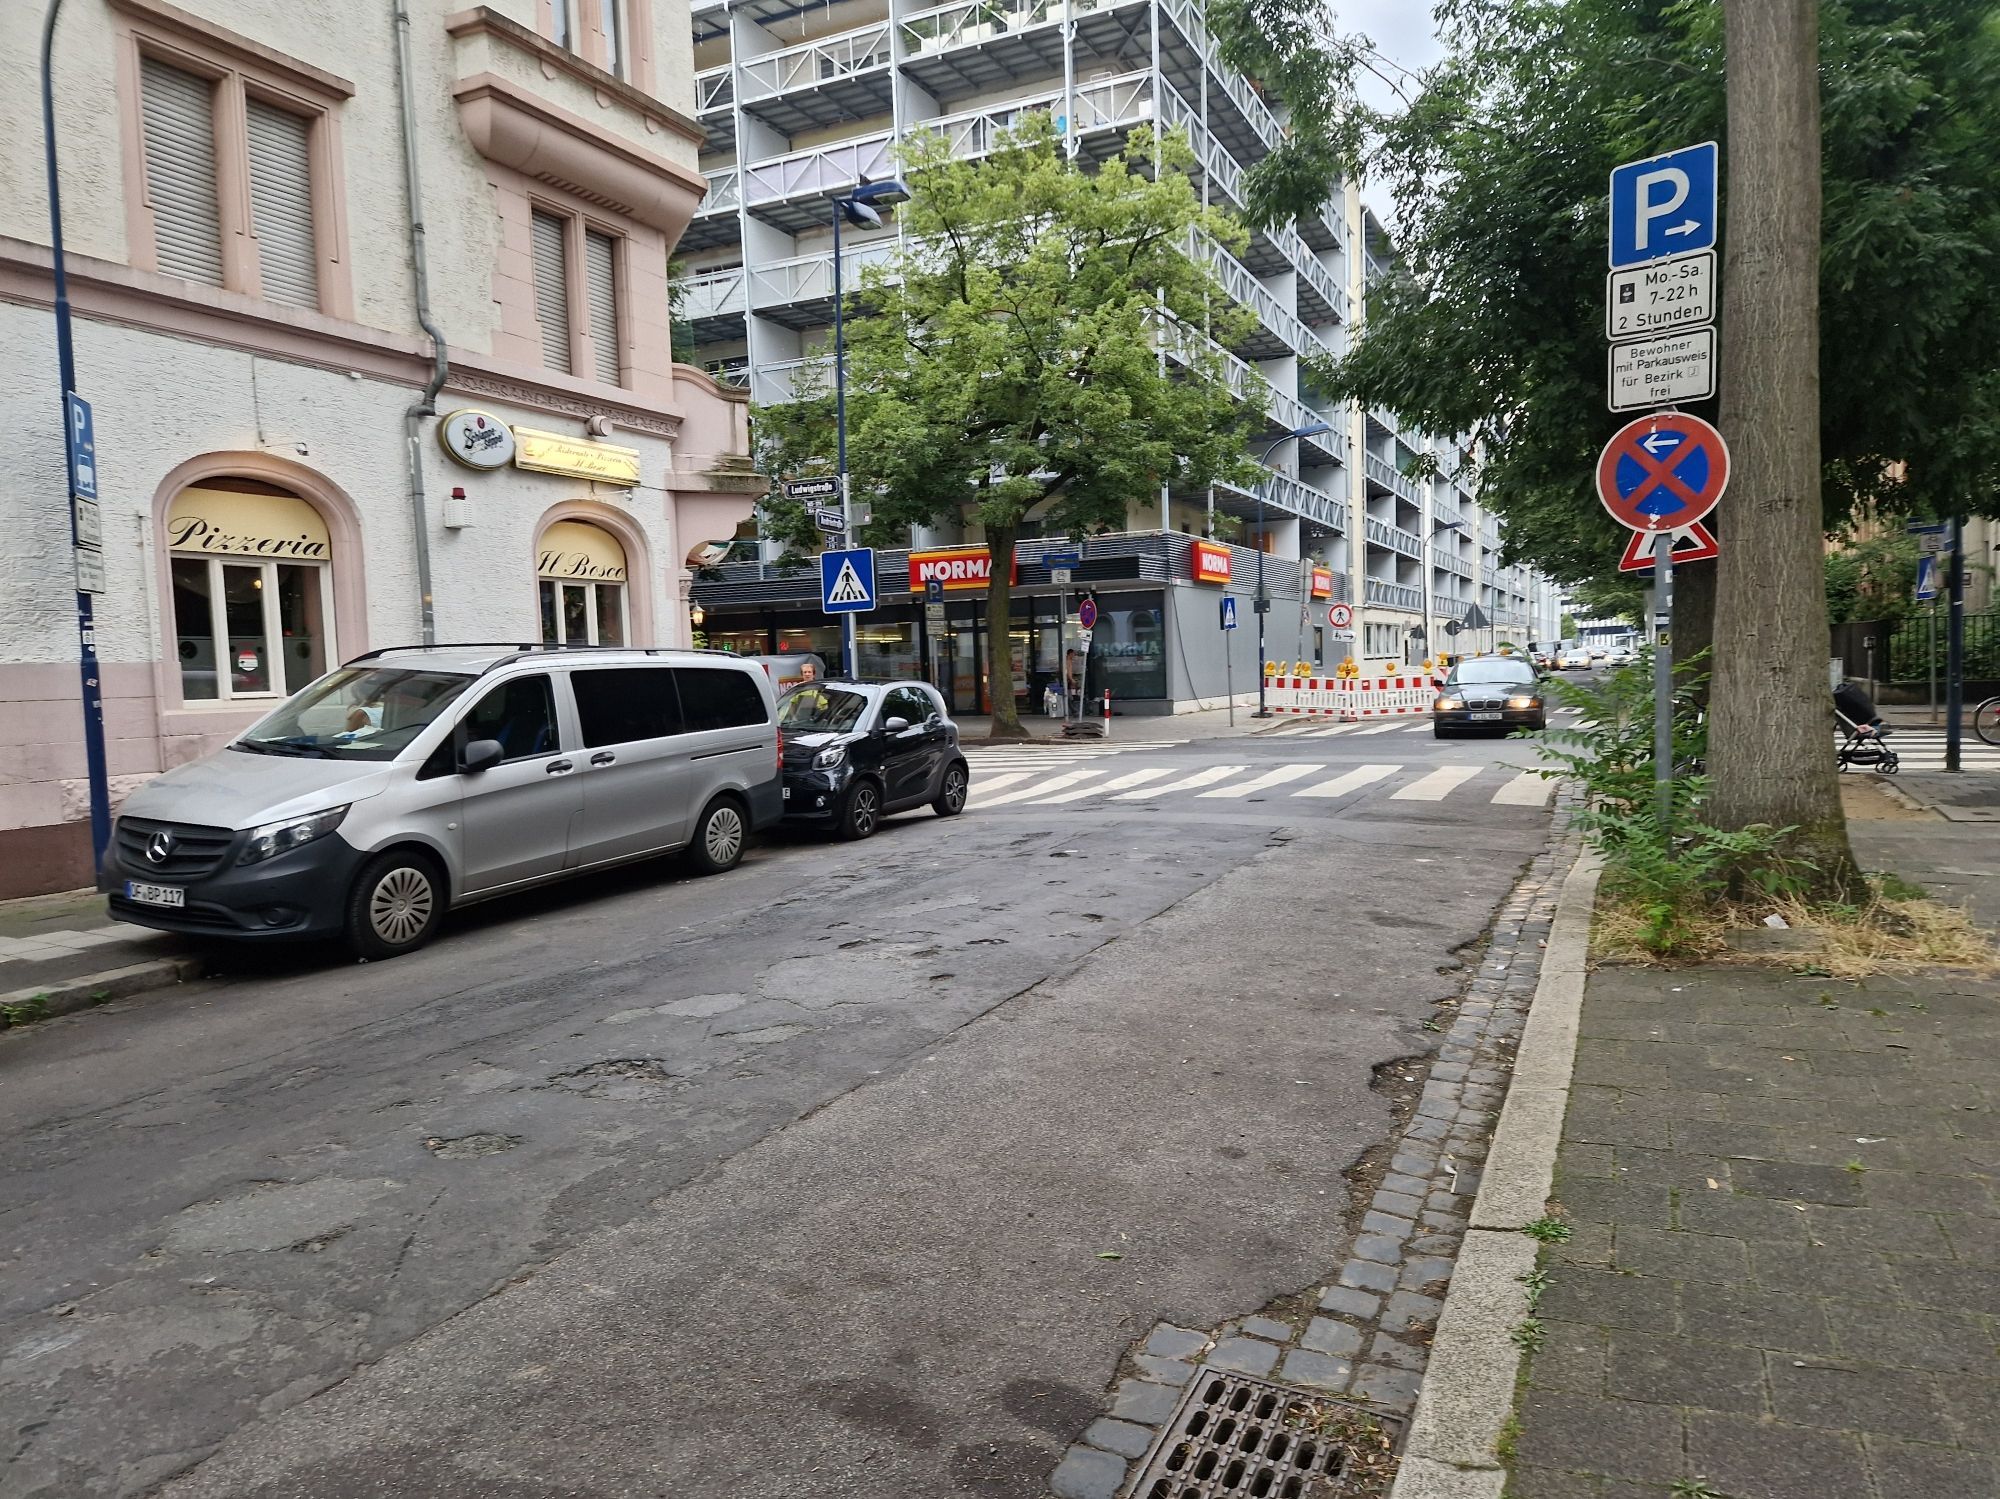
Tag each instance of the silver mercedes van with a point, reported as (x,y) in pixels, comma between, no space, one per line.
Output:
(416,779)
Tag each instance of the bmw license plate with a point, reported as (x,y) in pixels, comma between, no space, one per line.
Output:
(155,895)
(1484,717)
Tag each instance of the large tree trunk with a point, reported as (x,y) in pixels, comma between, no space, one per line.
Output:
(1694,620)
(1000,634)
(1770,746)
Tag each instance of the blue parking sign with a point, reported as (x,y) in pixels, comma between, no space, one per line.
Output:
(1663,206)
(82,439)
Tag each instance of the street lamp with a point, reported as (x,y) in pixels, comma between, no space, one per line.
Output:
(857,208)
(1430,555)
(1263,604)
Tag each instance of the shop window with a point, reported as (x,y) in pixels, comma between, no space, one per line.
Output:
(252,594)
(581,584)
(576,278)
(1128,649)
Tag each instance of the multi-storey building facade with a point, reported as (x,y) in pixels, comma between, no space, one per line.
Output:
(801,102)
(299,453)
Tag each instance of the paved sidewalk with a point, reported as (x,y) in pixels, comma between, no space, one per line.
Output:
(1783,1279)
(46,940)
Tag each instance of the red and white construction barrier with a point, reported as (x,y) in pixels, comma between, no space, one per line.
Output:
(1352,700)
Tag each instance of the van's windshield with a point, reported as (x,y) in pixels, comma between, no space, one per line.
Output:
(367,713)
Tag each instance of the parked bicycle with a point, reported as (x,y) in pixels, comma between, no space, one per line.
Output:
(1986,720)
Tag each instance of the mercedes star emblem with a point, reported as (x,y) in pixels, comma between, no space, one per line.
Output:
(159,846)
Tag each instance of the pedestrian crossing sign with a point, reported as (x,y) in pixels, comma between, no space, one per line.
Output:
(847,581)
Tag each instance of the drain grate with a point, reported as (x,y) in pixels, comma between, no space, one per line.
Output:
(1235,1437)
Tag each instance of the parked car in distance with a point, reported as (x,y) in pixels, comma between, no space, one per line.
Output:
(856,752)
(1573,658)
(1620,655)
(416,779)
(1489,692)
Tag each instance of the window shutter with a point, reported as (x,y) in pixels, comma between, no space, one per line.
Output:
(600,295)
(178,111)
(281,208)
(552,289)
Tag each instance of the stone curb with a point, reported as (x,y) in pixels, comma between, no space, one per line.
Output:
(1468,1388)
(67,996)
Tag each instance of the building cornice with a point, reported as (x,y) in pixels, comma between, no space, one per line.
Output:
(483,20)
(174,21)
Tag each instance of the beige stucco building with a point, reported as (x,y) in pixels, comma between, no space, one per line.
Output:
(237,199)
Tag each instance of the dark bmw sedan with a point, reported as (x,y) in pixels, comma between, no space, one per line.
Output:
(1490,692)
(857,751)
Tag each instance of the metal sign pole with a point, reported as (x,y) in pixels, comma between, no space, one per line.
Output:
(1663,677)
(1930,661)
(1954,665)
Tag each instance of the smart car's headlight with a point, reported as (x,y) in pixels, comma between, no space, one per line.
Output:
(829,757)
(275,838)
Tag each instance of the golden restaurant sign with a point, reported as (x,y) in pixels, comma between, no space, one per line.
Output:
(552,453)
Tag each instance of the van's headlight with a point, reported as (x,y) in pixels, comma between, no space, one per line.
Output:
(829,757)
(276,838)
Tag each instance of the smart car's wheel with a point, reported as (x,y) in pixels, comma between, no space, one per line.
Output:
(863,811)
(395,906)
(951,796)
(719,836)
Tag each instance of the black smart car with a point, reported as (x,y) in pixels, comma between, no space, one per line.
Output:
(1490,692)
(857,751)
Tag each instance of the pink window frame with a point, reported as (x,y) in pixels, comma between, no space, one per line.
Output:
(582,347)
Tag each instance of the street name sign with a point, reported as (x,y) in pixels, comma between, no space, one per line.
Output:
(1933,536)
(1664,205)
(812,489)
(847,581)
(1660,297)
(1663,371)
(1662,472)
(1070,557)
(829,519)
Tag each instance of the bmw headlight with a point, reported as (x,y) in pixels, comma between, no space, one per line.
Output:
(1524,702)
(276,838)
(829,757)
(1447,705)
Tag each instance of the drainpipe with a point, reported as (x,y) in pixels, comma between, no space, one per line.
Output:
(440,367)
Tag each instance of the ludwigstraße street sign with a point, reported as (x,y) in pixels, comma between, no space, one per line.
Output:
(1663,371)
(812,489)
(1650,299)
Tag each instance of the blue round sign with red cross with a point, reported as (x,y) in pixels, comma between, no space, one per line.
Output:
(1663,472)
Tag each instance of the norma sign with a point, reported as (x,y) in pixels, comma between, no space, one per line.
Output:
(1663,371)
(1322,582)
(1210,562)
(1664,205)
(1650,299)
(958,568)
(1662,472)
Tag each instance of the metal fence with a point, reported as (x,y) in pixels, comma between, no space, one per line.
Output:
(1910,641)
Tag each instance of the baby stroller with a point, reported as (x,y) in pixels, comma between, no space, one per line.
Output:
(1864,737)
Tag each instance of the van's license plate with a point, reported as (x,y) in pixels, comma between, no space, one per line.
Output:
(1484,717)
(155,895)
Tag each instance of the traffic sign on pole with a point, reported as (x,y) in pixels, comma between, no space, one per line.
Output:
(82,439)
(1228,612)
(1664,205)
(1932,535)
(1662,472)
(1340,616)
(847,581)
(1663,371)
(1658,298)
(1695,543)
(1086,614)
(1927,578)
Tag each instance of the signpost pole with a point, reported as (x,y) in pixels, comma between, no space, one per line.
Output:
(1930,661)
(1663,678)
(848,666)
(1954,664)
(1229,674)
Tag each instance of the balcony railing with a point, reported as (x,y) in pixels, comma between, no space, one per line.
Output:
(1450,608)
(1101,104)
(808,278)
(1187,16)
(733,372)
(1283,492)
(1240,286)
(1394,595)
(1452,564)
(1395,538)
(714,88)
(810,63)
(777,381)
(818,171)
(1391,478)
(969,22)
(725,191)
(710,295)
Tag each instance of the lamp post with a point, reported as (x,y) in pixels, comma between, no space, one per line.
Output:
(857,209)
(1430,556)
(1263,602)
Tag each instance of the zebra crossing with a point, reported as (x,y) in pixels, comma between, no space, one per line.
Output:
(1414,724)
(1006,757)
(1494,783)
(1922,748)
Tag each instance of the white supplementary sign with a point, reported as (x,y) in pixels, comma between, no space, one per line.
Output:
(1663,371)
(89,570)
(1658,298)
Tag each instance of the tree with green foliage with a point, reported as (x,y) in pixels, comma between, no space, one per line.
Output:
(1871,578)
(1008,371)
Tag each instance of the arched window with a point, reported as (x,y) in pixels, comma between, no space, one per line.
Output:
(251,566)
(581,573)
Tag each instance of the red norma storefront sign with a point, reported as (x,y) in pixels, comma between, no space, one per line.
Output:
(1211,562)
(1322,582)
(959,567)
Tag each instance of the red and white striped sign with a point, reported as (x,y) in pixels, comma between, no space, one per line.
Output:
(1351,701)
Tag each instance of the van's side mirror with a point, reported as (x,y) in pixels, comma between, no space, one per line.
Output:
(481,754)
(895,725)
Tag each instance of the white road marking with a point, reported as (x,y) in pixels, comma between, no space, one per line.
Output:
(1436,786)
(1416,728)
(1339,728)
(1381,728)
(1130,778)
(1057,784)
(1200,778)
(1269,778)
(1527,789)
(994,783)
(1353,780)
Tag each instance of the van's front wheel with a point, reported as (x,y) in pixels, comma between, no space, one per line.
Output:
(395,906)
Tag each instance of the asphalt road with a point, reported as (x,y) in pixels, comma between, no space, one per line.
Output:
(792,1182)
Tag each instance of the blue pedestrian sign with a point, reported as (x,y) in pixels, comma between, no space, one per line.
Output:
(847,581)
(1663,206)
(82,447)
(1228,612)
(1927,578)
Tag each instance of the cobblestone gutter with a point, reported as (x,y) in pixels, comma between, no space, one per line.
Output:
(1364,1335)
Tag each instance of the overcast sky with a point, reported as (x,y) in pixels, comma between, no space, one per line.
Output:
(1403,32)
